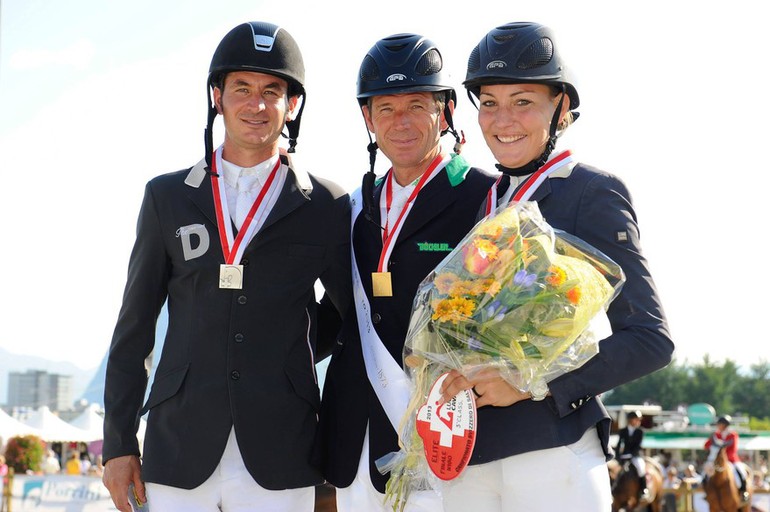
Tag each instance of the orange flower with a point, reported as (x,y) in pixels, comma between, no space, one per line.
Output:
(556,277)
(574,295)
(479,254)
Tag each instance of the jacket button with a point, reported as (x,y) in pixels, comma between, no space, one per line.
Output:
(238,338)
(376,318)
(245,262)
(242,299)
(235,375)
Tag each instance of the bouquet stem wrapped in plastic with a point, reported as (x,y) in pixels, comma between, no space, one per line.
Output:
(515,295)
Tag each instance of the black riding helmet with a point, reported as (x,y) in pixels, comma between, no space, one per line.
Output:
(725,420)
(521,52)
(264,48)
(633,414)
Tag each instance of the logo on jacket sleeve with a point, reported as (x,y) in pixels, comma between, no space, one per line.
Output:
(195,240)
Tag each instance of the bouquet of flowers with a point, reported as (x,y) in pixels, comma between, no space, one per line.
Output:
(514,295)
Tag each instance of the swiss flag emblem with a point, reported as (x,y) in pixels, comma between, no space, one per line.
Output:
(448,431)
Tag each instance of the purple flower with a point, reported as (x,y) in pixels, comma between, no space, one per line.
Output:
(475,344)
(524,279)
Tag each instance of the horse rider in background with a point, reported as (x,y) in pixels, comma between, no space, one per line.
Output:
(630,446)
(727,437)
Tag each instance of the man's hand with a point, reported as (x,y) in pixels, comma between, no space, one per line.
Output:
(118,474)
(487,384)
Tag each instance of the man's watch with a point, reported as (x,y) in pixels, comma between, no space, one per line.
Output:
(539,391)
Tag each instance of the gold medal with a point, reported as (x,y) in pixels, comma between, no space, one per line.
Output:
(381,284)
(231,277)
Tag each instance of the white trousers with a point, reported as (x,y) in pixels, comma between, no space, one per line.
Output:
(573,477)
(229,489)
(361,496)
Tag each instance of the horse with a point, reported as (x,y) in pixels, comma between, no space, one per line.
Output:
(722,493)
(626,488)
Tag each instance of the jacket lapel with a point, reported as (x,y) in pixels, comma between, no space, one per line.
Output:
(199,190)
(292,197)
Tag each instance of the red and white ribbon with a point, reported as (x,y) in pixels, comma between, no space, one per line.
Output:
(532,183)
(233,247)
(390,235)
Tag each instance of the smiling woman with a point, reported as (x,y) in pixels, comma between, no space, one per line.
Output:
(526,92)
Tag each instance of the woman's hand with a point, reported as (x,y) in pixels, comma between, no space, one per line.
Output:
(487,384)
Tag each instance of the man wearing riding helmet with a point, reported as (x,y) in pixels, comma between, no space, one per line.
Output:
(404,224)
(548,451)
(235,246)
(629,447)
(728,437)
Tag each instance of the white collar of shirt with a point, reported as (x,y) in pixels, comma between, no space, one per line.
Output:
(401,195)
(232,172)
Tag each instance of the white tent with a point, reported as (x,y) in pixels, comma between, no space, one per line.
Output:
(52,428)
(91,422)
(11,427)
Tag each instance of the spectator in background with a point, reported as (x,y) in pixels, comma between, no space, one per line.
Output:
(73,464)
(85,463)
(691,476)
(51,464)
(671,481)
(759,483)
(3,467)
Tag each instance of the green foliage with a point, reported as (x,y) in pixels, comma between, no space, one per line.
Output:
(725,386)
(25,453)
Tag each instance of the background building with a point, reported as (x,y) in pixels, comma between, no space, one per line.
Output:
(37,388)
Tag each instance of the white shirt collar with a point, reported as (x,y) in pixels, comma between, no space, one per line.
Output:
(231,172)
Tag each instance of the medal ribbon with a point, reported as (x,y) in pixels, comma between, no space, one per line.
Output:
(389,236)
(233,249)
(532,183)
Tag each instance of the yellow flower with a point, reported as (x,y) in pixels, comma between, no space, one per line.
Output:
(460,288)
(453,310)
(444,282)
(559,328)
(488,286)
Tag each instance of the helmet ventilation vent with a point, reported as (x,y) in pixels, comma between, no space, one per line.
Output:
(369,70)
(537,54)
(429,64)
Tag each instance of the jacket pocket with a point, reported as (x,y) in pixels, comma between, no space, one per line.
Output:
(304,384)
(165,386)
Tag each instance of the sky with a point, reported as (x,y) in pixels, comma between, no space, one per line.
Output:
(99,96)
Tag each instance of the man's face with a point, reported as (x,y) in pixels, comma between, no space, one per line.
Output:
(407,127)
(255,107)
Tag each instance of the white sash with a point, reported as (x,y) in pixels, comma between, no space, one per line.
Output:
(390,382)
